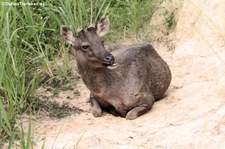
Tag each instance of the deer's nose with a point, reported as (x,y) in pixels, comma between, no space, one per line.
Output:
(109,59)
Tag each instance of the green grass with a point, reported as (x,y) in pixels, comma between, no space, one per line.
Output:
(128,17)
(30,40)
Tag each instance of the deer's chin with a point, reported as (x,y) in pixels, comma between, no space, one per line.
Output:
(110,66)
(113,66)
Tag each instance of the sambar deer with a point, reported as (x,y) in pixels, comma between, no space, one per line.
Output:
(123,80)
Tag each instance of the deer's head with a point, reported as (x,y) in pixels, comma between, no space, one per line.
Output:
(90,44)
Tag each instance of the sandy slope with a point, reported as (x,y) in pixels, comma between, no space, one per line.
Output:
(191,116)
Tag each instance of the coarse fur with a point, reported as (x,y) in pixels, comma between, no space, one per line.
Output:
(139,78)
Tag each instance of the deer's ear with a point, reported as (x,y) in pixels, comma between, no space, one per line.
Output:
(103,26)
(67,35)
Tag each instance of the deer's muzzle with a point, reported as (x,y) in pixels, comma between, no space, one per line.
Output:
(109,61)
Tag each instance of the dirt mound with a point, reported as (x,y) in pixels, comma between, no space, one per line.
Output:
(193,113)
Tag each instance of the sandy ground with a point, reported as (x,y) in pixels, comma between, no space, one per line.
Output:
(192,115)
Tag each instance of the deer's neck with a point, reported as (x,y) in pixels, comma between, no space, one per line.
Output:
(94,78)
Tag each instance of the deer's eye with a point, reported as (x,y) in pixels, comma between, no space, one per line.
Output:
(85,46)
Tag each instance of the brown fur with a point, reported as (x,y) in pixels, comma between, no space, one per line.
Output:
(129,90)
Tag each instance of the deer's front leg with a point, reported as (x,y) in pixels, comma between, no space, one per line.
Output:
(95,107)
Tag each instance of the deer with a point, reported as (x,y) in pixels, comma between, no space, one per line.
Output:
(124,80)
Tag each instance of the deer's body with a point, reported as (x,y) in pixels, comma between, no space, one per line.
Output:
(141,78)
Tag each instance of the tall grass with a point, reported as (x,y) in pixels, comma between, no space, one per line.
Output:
(129,16)
(29,40)
(17,63)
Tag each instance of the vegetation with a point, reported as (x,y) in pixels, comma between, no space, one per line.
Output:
(169,18)
(30,41)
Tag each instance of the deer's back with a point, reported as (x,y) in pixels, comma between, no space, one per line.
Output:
(141,65)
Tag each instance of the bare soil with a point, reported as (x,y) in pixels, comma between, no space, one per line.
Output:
(192,115)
